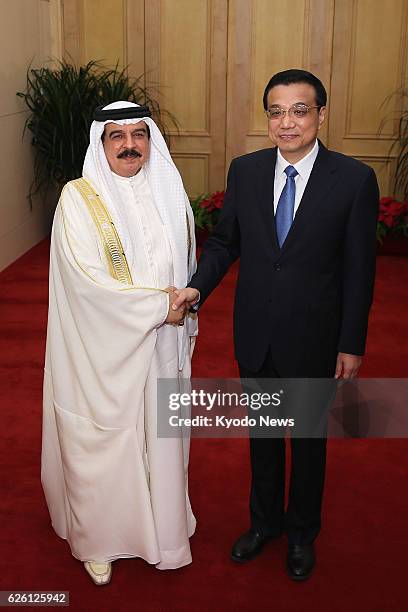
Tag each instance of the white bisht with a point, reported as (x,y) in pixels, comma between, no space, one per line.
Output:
(113,488)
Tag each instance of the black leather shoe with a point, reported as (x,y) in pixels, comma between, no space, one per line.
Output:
(248,546)
(300,561)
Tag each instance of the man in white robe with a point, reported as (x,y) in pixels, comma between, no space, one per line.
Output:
(123,237)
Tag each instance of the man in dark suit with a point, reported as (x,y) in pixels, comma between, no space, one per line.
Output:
(302,219)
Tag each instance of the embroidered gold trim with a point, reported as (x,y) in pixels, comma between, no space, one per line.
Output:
(118,266)
(85,271)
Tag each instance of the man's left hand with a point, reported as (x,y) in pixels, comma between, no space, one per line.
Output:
(347,365)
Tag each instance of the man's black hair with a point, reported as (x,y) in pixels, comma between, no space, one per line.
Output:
(289,77)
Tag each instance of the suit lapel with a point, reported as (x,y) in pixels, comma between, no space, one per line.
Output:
(265,188)
(319,184)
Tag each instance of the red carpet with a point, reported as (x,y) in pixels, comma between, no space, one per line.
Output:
(361,550)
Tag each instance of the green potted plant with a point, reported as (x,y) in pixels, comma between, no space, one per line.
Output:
(61,103)
(400,144)
(392,225)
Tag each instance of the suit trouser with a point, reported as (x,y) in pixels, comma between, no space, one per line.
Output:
(302,519)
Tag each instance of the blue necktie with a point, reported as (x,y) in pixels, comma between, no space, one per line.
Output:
(286,206)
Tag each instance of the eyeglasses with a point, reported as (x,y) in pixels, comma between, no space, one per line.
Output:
(298,111)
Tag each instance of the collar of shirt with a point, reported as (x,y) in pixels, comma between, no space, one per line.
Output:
(136,179)
(304,166)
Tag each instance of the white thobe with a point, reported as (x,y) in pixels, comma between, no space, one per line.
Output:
(113,488)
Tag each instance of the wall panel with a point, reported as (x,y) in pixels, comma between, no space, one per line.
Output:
(185,60)
(29,23)
(369,65)
(383,168)
(104,24)
(185,47)
(373,74)
(194,171)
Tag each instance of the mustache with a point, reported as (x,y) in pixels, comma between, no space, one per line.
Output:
(129,153)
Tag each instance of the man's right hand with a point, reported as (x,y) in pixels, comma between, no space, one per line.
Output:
(186,297)
(174,316)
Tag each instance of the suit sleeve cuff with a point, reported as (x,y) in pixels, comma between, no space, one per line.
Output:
(196,305)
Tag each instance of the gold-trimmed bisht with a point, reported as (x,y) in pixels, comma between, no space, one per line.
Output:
(116,258)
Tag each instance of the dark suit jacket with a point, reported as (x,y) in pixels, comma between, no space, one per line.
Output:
(310,299)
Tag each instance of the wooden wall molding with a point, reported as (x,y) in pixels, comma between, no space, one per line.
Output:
(237,45)
(73,27)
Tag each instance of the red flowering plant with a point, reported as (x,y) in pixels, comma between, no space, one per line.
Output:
(206,209)
(392,218)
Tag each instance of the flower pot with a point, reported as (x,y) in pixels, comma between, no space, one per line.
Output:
(201,236)
(393,245)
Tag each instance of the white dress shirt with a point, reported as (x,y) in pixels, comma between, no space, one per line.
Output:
(304,168)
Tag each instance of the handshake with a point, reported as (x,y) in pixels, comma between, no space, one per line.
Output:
(180,302)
